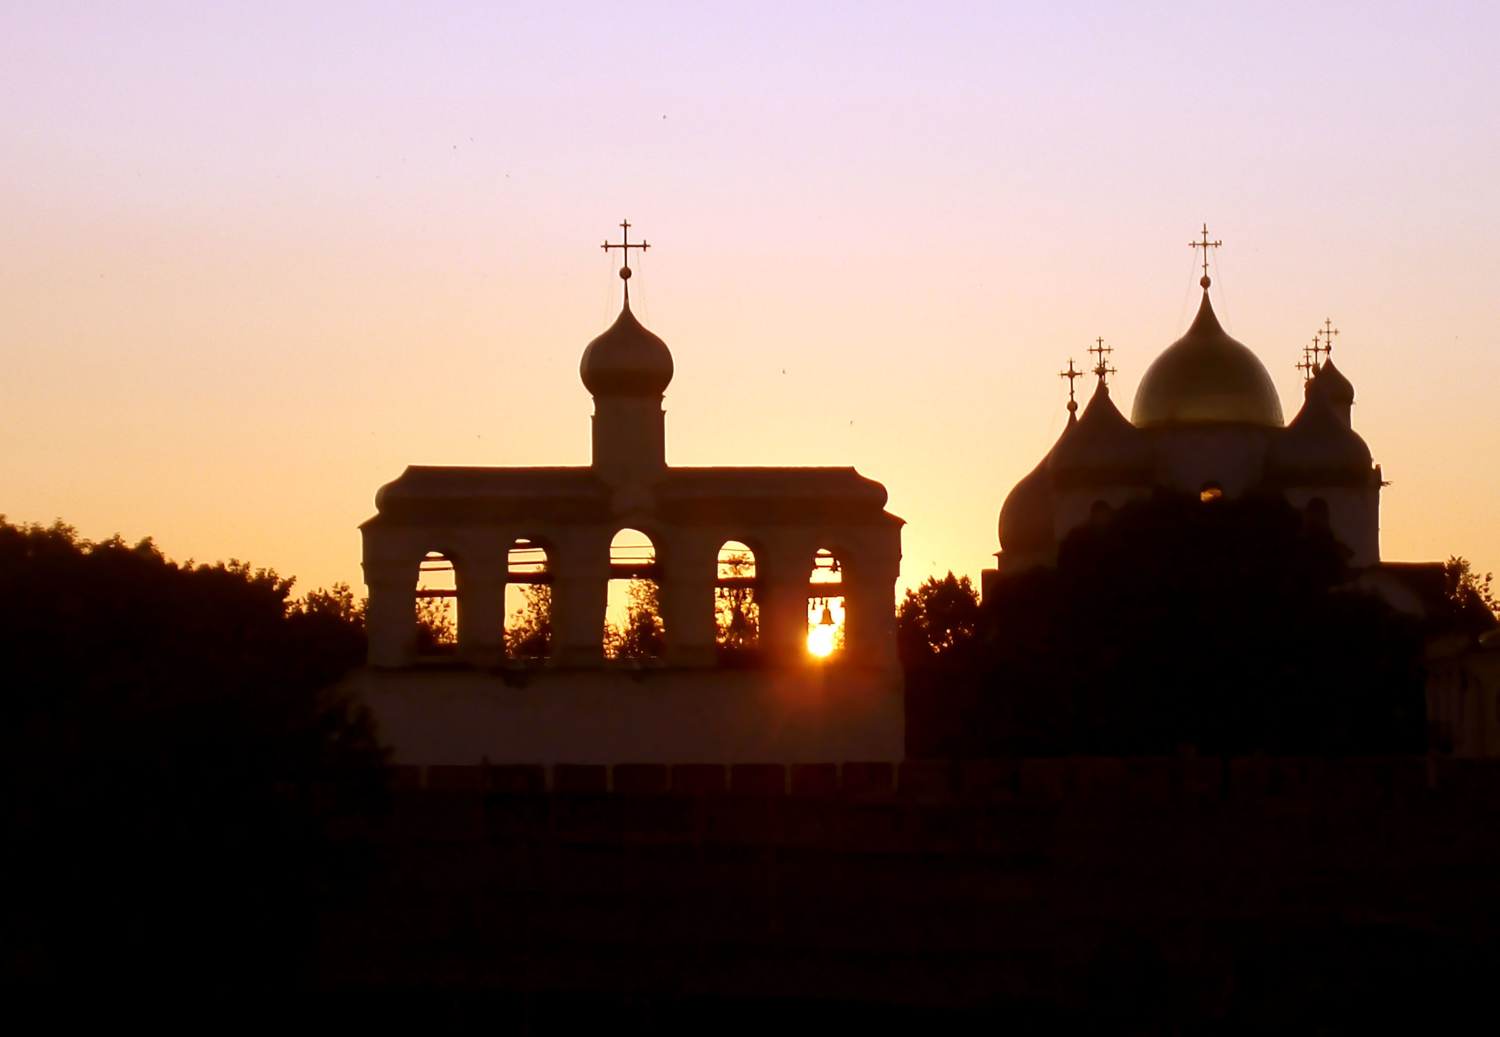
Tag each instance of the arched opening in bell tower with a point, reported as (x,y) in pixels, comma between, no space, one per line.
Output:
(528,602)
(437,607)
(633,627)
(825,606)
(736,611)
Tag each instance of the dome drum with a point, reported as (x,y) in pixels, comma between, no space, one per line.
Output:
(1325,476)
(1122,475)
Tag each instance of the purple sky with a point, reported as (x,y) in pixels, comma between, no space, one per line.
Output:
(256,258)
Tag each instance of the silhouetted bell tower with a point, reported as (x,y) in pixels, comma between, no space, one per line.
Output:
(627,369)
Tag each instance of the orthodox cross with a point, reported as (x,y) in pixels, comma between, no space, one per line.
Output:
(1205,245)
(625,246)
(1309,363)
(1102,369)
(1070,374)
(1325,336)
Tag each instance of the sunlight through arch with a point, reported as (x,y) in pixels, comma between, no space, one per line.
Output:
(528,602)
(436,615)
(825,606)
(736,609)
(633,627)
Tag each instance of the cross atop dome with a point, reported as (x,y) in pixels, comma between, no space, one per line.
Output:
(1102,368)
(1323,340)
(1205,245)
(625,246)
(1309,363)
(1071,374)
(627,361)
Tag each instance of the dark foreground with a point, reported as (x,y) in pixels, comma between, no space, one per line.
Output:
(1085,895)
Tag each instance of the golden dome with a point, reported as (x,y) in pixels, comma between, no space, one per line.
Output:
(1206,376)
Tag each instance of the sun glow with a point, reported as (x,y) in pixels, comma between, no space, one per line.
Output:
(825,625)
(820,640)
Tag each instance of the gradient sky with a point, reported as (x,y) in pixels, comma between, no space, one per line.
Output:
(256,258)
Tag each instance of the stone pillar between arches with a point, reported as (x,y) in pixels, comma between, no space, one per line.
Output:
(391,621)
(870,618)
(688,615)
(580,595)
(783,617)
(481,611)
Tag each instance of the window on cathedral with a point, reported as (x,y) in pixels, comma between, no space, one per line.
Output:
(736,612)
(633,628)
(825,606)
(528,602)
(1211,491)
(437,606)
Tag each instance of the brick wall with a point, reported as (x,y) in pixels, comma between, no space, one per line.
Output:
(1141,779)
(1219,890)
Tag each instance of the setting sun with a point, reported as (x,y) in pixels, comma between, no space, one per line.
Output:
(825,624)
(820,640)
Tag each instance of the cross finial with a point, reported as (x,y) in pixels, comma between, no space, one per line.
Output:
(1309,363)
(1205,245)
(1325,336)
(1071,374)
(624,245)
(1101,367)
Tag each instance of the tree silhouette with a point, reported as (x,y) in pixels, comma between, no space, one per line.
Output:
(1471,605)
(936,617)
(1227,626)
(643,635)
(529,634)
(181,787)
(736,613)
(437,630)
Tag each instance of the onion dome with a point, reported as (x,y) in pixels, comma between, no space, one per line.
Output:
(1026,515)
(1329,382)
(627,360)
(1103,449)
(1206,376)
(1319,448)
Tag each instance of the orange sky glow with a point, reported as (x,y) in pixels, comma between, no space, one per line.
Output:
(256,259)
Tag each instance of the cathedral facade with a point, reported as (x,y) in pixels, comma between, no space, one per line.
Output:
(1206,420)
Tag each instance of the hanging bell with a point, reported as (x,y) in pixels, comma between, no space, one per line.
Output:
(827,620)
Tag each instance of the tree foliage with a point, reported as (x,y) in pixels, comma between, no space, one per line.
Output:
(181,788)
(1470,598)
(437,626)
(1229,626)
(736,613)
(528,635)
(936,617)
(642,635)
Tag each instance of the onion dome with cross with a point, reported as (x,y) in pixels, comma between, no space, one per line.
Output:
(626,360)
(1206,376)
